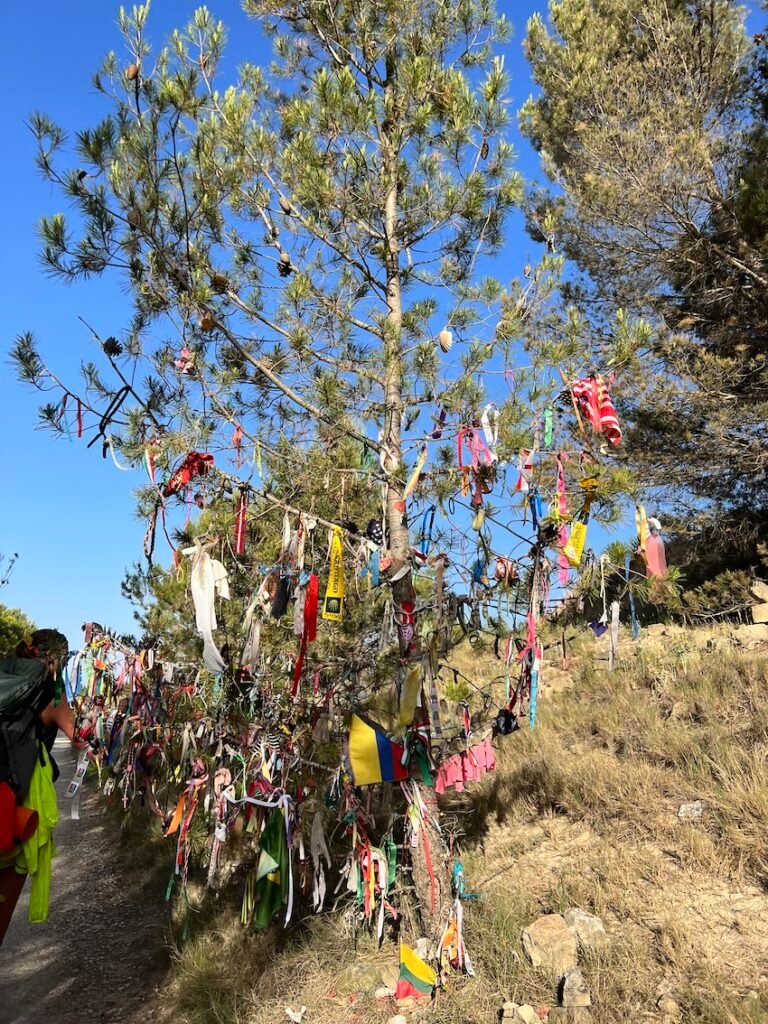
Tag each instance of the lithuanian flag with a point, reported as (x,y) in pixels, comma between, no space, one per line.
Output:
(417,979)
(372,756)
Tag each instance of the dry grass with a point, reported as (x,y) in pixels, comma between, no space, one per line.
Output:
(581,812)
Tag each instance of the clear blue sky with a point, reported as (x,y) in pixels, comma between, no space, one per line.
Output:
(68,513)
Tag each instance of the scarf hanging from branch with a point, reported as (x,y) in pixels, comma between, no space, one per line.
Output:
(411,485)
(237,444)
(477,449)
(525,468)
(562,512)
(437,433)
(592,395)
(310,629)
(240,522)
(641,522)
(334,594)
(548,428)
(490,424)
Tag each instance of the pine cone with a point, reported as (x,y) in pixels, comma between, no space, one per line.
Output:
(219,283)
(284,264)
(112,347)
(132,72)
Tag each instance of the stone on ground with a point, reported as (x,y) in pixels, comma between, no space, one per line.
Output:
(669,1007)
(751,635)
(574,990)
(551,944)
(588,928)
(358,977)
(524,1014)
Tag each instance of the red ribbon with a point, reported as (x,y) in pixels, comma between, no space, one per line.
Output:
(310,609)
(310,630)
(240,523)
(195,464)
(237,444)
(79,418)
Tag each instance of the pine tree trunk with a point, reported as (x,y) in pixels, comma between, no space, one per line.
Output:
(431,877)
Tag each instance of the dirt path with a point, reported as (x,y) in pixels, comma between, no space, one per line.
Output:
(102,952)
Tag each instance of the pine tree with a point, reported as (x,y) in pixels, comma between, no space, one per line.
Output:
(649,123)
(307,254)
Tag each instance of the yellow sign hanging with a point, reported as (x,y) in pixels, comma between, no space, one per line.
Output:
(334,594)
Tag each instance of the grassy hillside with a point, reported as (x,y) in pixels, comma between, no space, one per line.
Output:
(582,812)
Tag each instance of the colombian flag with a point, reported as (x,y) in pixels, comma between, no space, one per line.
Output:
(417,979)
(373,757)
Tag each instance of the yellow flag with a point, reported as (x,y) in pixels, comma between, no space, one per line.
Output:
(334,593)
(641,522)
(574,549)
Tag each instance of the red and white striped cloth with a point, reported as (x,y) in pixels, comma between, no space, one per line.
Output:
(592,395)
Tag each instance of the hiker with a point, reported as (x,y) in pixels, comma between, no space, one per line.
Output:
(31,713)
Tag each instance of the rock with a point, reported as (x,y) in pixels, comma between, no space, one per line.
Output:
(398,1019)
(752,635)
(760,613)
(668,1006)
(689,811)
(573,989)
(759,590)
(551,944)
(389,975)
(357,977)
(524,1014)
(589,929)
(384,993)
(656,629)
(678,710)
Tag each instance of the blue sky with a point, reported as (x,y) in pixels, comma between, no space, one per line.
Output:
(68,514)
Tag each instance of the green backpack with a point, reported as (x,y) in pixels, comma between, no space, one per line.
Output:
(24,687)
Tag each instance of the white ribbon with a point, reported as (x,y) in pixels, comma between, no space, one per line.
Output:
(207,578)
(489,421)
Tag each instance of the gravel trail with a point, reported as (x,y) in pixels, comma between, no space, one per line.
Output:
(102,953)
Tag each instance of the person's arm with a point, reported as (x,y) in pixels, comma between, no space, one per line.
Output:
(61,716)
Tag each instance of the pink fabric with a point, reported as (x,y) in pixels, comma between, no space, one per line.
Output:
(468,766)
(655,556)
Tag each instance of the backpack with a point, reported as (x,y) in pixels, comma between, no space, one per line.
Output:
(24,686)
